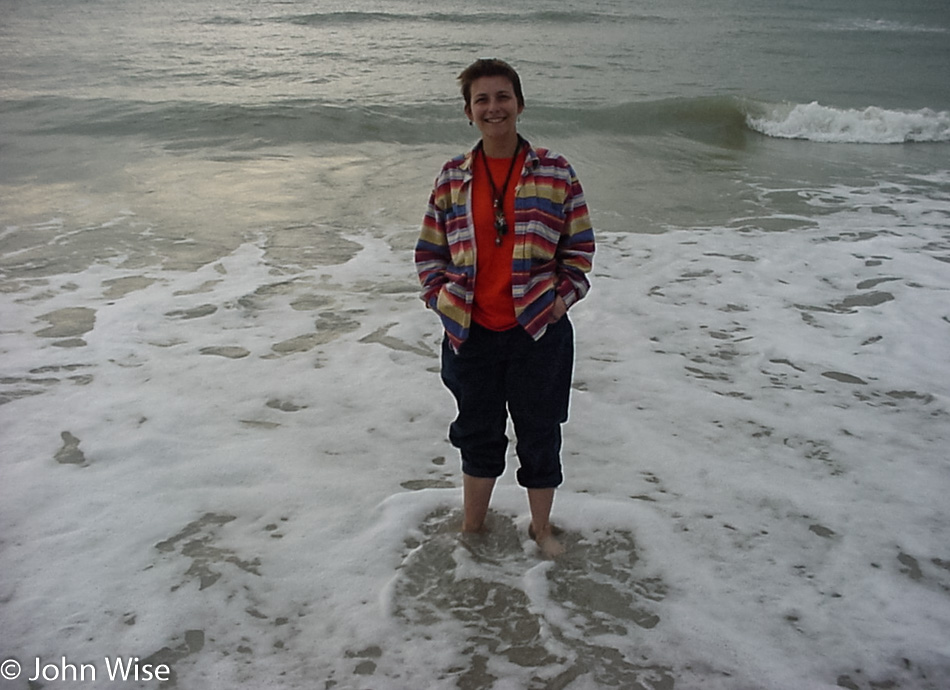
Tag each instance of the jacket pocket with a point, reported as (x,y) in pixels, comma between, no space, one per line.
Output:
(454,297)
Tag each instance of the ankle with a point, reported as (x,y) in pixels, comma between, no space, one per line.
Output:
(472,527)
(540,533)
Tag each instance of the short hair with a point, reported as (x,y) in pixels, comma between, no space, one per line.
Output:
(489,67)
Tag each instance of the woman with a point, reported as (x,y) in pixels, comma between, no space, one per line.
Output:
(504,249)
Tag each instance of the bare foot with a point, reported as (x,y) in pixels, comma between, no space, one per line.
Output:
(549,546)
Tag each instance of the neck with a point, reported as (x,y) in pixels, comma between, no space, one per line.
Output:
(501,148)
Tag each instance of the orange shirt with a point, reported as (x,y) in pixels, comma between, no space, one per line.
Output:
(494,306)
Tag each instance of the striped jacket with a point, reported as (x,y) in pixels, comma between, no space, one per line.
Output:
(554,244)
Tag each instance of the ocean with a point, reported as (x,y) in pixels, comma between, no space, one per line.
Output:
(224,458)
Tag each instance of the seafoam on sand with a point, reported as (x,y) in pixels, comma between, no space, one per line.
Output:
(242,471)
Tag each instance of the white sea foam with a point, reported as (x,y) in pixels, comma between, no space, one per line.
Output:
(872,125)
(756,463)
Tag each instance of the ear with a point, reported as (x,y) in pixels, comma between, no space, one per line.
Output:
(468,112)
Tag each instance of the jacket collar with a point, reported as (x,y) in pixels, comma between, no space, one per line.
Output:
(531,161)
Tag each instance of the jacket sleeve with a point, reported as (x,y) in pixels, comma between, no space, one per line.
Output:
(432,255)
(575,250)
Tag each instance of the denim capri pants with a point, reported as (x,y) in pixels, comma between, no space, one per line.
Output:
(497,373)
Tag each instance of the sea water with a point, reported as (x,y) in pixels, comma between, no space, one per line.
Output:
(223,432)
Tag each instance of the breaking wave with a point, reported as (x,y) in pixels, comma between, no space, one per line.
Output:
(815,122)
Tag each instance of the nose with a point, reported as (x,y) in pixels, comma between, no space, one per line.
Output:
(494,104)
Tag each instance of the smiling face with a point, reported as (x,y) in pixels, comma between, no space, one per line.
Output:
(494,108)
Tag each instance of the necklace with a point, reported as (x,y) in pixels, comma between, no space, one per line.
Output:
(498,199)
